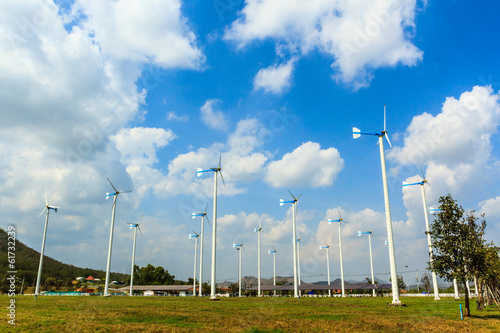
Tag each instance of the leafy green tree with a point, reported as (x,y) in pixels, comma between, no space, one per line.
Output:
(426,281)
(401,282)
(151,275)
(458,242)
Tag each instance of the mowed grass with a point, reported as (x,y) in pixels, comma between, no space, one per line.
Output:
(183,314)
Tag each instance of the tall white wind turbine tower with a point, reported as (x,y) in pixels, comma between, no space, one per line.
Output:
(356,133)
(203,216)
(369,233)
(327,247)
(429,241)
(239,248)
(135,226)
(298,260)
(108,265)
(258,230)
(339,221)
(273,252)
(40,264)
(199,172)
(195,236)
(294,203)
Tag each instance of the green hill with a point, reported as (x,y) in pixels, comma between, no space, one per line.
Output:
(54,274)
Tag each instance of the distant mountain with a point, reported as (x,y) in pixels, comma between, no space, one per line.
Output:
(27,261)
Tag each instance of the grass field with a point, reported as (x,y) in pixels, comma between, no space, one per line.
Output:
(182,314)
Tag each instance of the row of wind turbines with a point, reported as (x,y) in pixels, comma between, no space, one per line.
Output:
(218,170)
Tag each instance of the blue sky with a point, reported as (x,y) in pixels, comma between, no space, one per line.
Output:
(144,93)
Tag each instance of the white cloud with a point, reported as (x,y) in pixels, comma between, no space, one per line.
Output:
(308,165)
(214,119)
(64,94)
(274,79)
(360,36)
(144,31)
(455,144)
(173,116)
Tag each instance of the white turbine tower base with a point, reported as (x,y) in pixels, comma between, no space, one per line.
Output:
(294,231)
(108,264)
(239,248)
(258,258)
(390,239)
(327,247)
(369,233)
(213,282)
(339,221)
(195,236)
(273,252)
(135,226)
(40,264)
(203,215)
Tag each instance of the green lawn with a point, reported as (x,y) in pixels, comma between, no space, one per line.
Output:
(182,314)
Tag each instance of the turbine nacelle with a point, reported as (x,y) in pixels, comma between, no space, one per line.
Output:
(271,251)
(364,233)
(435,210)
(324,247)
(238,246)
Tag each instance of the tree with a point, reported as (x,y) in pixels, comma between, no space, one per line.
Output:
(457,239)
(401,282)
(426,281)
(151,275)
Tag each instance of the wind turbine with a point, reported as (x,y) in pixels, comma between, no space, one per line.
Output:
(195,236)
(339,220)
(327,247)
(203,215)
(39,277)
(238,248)
(108,265)
(369,233)
(356,133)
(273,252)
(258,256)
(135,226)
(429,241)
(434,211)
(216,170)
(293,202)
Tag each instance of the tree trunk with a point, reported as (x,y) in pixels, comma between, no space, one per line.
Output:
(479,292)
(467,306)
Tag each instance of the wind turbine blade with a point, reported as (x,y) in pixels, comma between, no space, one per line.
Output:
(206,208)
(140,219)
(387,137)
(208,221)
(125,191)
(260,225)
(299,196)
(139,229)
(114,188)
(292,195)
(46,202)
(340,215)
(41,213)
(356,132)
(220,158)
(223,182)
(421,171)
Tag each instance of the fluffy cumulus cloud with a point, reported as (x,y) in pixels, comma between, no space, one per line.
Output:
(144,31)
(308,165)
(68,85)
(455,144)
(359,35)
(275,78)
(212,117)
